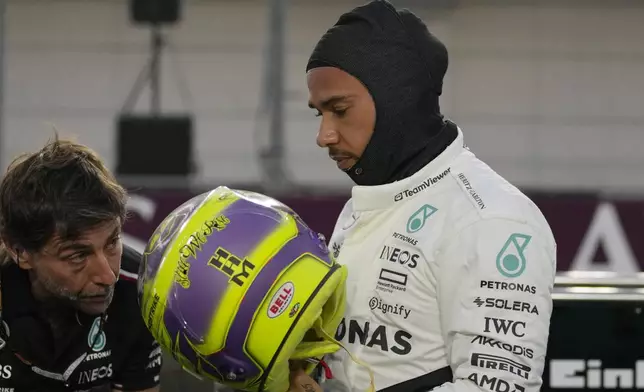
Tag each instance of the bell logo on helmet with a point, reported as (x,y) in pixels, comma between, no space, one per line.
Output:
(281,300)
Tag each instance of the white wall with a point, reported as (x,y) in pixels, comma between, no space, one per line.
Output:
(551,96)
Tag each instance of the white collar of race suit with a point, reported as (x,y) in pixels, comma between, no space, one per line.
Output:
(367,198)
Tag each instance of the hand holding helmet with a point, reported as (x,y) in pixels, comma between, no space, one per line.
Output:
(301,382)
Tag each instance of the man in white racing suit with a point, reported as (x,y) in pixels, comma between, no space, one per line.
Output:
(451,267)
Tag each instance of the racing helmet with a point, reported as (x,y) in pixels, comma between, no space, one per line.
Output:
(235,285)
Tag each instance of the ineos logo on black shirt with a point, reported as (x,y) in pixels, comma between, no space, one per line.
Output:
(397,255)
(93,375)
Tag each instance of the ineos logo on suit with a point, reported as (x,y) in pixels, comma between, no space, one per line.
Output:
(400,256)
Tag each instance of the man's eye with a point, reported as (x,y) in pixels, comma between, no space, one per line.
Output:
(76,258)
(113,242)
(340,112)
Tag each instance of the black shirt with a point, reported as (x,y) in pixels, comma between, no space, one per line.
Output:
(95,353)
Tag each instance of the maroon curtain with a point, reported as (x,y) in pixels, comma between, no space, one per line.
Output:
(609,232)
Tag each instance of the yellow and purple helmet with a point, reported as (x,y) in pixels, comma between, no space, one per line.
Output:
(234,285)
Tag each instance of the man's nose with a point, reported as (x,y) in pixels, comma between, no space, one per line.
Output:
(103,273)
(327,136)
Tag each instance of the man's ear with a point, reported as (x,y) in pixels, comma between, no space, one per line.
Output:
(22,258)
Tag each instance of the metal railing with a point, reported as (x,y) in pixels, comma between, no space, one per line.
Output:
(598,286)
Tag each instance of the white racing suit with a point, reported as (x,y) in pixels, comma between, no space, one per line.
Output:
(450,280)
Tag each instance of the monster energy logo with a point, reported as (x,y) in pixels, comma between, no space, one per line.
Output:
(510,261)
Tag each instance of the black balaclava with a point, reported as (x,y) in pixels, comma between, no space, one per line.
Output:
(402,65)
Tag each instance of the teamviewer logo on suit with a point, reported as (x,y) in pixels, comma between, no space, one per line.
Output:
(391,281)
